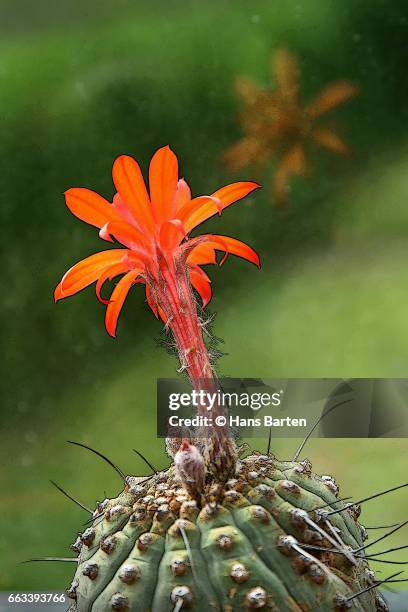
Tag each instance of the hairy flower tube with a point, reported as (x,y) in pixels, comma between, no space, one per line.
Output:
(154,228)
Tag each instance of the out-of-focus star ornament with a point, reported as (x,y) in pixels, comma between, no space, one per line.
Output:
(276,123)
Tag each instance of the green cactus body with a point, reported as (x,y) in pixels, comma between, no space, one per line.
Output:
(248,547)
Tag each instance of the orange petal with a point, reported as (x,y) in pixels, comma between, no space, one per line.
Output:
(104,234)
(116,302)
(133,259)
(219,244)
(171,234)
(163,177)
(226,195)
(123,209)
(190,208)
(162,314)
(329,140)
(58,295)
(223,243)
(127,235)
(86,272)
(202,254)
(235,247)
(156,309)
(201,284)
(286,70)
(130,185)
(183,194)
(90,207)
(334,94)
(108,274)
(235,191)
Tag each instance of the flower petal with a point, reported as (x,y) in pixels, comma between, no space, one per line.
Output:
(186,212)
(127,235)
(232,246)
(202,254)
(116,302)
(155,307)
(162,314)
(201,284)
(332,95)
(120,205)
(90,207)
(104,234)
(171,234)
(133,260)
(108,274)
(86,272)
(226,195)
(131,187)
(163,178)
(236,247)
(183,194)
(204,246)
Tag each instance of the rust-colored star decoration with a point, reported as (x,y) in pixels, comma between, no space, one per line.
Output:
(276,124)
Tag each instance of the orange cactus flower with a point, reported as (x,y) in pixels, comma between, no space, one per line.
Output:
(154,228)
(276,123)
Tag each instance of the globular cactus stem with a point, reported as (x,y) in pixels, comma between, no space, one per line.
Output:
(278,539)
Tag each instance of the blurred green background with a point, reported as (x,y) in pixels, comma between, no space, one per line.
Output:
(82,82)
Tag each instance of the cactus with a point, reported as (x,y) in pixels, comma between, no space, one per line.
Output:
(265,541)
(213,532)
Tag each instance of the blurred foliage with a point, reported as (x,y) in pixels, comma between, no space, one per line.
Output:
(80,86)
